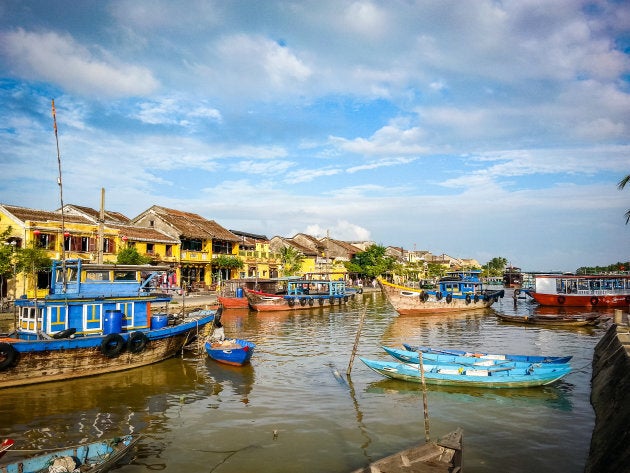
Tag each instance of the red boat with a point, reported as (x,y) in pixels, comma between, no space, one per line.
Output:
(570,290)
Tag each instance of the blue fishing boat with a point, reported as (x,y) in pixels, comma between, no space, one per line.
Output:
(97,318)
(407,356)
(457,291)
(94,457)
(475,354)
(457,375)
(235,351)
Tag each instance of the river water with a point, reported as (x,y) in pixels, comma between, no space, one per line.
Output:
(295,410)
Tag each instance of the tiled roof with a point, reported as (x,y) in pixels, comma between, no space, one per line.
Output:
(23,214)
(95,214)
(190,225)
(143,234)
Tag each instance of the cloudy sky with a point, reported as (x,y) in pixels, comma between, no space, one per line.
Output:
(475,128)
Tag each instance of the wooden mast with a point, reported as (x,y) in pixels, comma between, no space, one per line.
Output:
(63,223)
(101,223)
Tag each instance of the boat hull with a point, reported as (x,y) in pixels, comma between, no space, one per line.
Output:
(550,321)
(578,300)
(452,375)
(262,302)
(407,356)
(231,352)
(410,301)
(477,355)
(445,455)
(102,455)
(233,302)
(38,361)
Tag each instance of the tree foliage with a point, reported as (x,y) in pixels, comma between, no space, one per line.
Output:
(494,267)
(611,268)
(228,262)
(372,262)
(291,260)
(130,255)
(6,255)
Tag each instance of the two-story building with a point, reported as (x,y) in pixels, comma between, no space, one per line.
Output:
(259,261)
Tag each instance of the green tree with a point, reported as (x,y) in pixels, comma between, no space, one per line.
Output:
(6,259)
(130,255)
(621,185)
(31,260)
(227,262)
(372,262)
(494,267)
(291,260)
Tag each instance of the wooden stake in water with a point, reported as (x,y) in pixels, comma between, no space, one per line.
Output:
(356,342)
(427,437)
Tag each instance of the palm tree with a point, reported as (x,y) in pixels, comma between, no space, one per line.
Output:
(621,185)
(291,260)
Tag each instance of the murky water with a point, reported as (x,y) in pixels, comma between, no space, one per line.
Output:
(199,416)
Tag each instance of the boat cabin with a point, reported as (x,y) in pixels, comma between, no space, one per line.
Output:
(461,282)
(304,287)
(91,299)
(587,285)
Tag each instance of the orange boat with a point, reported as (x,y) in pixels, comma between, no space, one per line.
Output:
(571,290)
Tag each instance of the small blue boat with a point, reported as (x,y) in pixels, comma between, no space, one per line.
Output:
(407,356)
(234,352)
(94,457)
(455,375)
(525,358)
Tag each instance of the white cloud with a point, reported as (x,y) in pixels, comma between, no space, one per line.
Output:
(50,56)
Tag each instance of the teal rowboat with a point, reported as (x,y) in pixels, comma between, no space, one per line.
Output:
(457,375)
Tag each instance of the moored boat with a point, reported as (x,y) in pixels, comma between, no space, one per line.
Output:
(492,356)
(93,457)
(454,375)
(512,277)
(301,294)
(457,291)
(551,320)
(442,456)
(96,319)
(407,356)
(570,290)
(235,351)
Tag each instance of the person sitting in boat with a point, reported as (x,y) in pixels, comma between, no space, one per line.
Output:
(218,334)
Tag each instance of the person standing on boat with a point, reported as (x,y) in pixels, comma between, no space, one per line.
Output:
(218,334)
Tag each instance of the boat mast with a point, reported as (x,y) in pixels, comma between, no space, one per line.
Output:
(63,223)
(101,220)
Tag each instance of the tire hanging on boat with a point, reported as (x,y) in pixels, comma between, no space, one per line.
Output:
(332,300)
(561,300)
(449,298)
(302,302)
(137,342)
(64,333)
(291,302)
(112,345)
(9,354)
(594,300)
(468,298)
(476,298)
(321,301)
(438,296)
(311,301)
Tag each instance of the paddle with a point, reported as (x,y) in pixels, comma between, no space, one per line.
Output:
(5,445)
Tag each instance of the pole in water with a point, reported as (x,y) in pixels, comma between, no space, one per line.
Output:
(425,403)
(356,341)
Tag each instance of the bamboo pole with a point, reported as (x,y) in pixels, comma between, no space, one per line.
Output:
(356,341)
(425,402)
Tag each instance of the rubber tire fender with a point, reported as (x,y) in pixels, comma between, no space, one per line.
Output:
(9,353)
(594,300)
(561,300)
(64,333)
(137,342)
(112,345)
(449,298)
(468,298)
(438,296)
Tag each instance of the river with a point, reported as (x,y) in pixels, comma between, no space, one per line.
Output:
(295,410)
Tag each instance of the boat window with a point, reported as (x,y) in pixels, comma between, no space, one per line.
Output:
(124,276)
(97,276)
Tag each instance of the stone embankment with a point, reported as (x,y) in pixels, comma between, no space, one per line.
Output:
(610,398)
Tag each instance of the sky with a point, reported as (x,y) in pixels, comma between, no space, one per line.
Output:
(476,129)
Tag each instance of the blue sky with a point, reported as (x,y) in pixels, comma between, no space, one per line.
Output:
(473,128)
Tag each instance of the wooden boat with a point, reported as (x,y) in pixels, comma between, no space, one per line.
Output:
(512,277)
(94,457)
(235,351)
(407,356)
(5,445)
(457,375)
(475,354)
(457,291)
(97,321)
(302,294)
(442,456)
(569,290)
(232,294)
(551,320)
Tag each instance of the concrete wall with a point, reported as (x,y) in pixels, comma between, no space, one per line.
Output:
(610,398)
